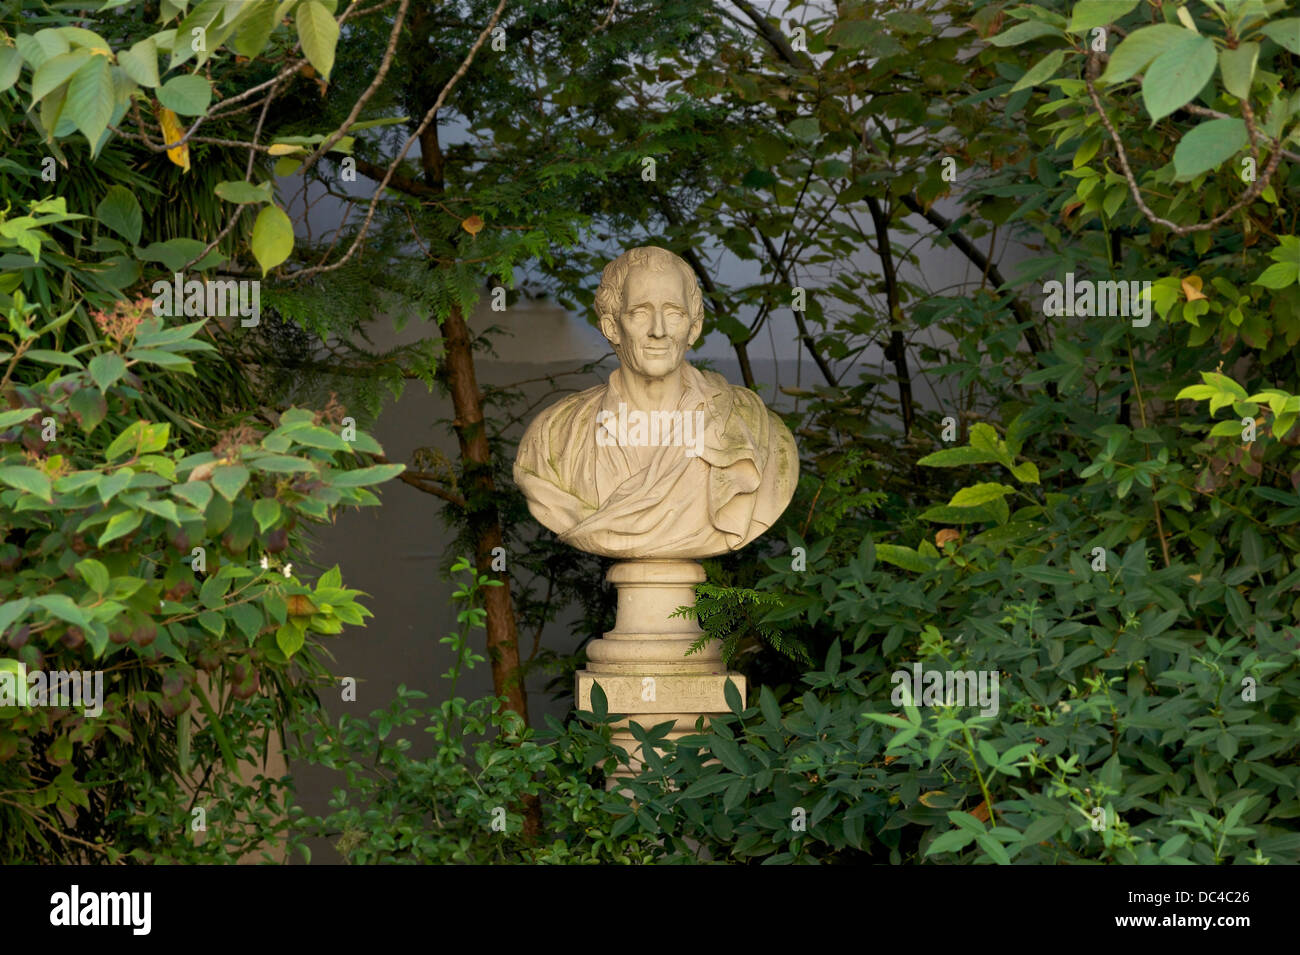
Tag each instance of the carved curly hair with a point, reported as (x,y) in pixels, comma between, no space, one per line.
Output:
(609,296)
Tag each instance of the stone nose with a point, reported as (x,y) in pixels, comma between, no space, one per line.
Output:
(658,326)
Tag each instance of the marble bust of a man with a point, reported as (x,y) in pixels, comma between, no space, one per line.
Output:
(665,460)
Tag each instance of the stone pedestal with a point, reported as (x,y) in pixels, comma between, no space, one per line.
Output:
(642,666)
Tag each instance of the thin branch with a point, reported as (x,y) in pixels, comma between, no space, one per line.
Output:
(428,118)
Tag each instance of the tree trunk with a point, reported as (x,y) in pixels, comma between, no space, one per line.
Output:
(483,517)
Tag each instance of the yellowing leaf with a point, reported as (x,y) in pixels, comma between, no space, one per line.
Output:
(473,225)
(283,149)
(172,131)
(1192,287)
(272,237)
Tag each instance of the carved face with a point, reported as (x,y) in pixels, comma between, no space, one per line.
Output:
(655,329)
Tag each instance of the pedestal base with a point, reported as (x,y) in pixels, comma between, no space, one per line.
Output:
(643,666)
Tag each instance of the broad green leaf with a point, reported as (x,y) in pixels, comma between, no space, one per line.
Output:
(11,67)
(197,493)
(952,841)
(120,211)
(1098,13)
(106,369)
(230,480)
(1041,71)
(289,638)
(319,33)
(266,512)
(272,237)
(1024,32)
(119,525)
(175,254)
(1279,275)
(255,27)
(10,418)
(1207,146)
(1176,76)
(363,476)
(958,457)
(1141,47)
(56,71)
(91,99)
(1238,68)
(244,192)
(141,62)
(1285,33)
(11,611)
(94,574)
(904,557)
(188,95)
(281,463)
(980,494)
(31,480)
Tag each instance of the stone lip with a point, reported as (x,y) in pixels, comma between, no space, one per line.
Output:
(669,695)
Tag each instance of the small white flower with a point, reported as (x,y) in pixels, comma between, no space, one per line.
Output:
(265,563)
(288,569)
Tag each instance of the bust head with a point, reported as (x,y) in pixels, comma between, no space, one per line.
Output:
(650,308)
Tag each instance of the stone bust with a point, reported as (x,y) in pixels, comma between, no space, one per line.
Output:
(663,461)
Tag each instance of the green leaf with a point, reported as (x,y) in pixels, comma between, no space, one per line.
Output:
(11,611)
(196,493)
(1041,71)
(266,512)
(229,480)
(107,368)
(363,476)
(175,254)
(255,28)
(94,574)
(56,71)
(63,607)
(319,33)
(958,457)
(272,237)
(951,841)
(1024,32)
(141,62)
(1285,33)
(1098,13)
(11,67)
(1279,275)
(119,525)
(904,557)
(91,99)
(244,192)
(1238,68)
(281,463)
(1177,76)
(979,494)
(1025,472)
(10,418)
(188,95)
(120,211)
(1140,48)
(1208,145)
(31,480)
(248,618)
